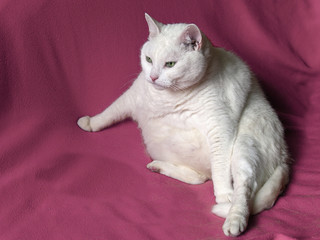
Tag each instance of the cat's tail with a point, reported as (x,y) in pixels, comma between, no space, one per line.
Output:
(266,195)
(269,192)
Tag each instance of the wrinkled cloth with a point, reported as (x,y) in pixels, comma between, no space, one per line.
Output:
(60,60)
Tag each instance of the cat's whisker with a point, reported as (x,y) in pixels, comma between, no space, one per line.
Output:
(129,82)
(175,87)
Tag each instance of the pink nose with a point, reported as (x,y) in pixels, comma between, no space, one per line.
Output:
(154,78)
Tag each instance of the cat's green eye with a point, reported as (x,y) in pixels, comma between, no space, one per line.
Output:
(170,64)
(148,59)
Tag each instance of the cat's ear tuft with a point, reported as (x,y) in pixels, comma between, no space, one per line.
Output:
(191,37)
(154,26)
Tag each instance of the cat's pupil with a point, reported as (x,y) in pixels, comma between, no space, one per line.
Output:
(149,60)
(170,64)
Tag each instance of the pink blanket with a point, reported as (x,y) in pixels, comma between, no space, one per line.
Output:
(60,60)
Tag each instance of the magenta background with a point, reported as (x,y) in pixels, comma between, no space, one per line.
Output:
(60,60)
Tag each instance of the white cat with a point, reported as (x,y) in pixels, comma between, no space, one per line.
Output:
(204,116)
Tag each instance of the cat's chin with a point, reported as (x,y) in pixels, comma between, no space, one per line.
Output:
(158,87)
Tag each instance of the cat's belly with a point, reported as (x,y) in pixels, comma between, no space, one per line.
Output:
(177,144)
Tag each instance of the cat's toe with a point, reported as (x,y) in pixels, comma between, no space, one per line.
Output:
(234,225)
(84,123)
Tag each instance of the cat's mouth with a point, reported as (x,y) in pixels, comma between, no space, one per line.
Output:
(159,86)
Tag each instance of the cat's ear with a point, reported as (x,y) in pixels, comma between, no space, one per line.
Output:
(191,37)
(154,26)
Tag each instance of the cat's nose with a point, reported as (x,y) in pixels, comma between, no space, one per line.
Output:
(154,78)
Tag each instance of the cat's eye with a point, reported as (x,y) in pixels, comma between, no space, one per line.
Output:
(170,64)
(148,59)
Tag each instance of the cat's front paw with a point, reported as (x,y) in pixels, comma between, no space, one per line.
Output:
(154,166)
(234,225)
(84,123)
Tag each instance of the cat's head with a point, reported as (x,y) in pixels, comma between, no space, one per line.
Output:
(173,57)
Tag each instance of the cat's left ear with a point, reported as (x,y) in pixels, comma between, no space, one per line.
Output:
(154,26)
(191,37)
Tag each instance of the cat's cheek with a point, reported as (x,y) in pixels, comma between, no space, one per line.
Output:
(147,76)
(146,68)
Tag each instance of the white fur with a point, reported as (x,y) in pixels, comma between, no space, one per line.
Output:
(204,118)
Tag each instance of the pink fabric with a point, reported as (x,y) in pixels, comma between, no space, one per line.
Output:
(60,60)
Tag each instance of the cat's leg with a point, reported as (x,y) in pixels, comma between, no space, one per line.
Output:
(117,111)
(222,180)
(179,172)
(223,189)
(220,138)
(244,172)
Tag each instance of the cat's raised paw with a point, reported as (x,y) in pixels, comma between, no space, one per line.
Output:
(234,225)
(84,123)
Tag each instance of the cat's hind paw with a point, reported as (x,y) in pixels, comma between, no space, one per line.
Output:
(84,123)
(234,225)
(181,173)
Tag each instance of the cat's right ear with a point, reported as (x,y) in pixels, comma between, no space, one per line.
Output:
(154,26)
(192,37)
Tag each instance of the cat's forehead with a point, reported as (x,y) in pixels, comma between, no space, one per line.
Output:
(162,48)
(173,29)
(171,33)
(167,42)
(163,41)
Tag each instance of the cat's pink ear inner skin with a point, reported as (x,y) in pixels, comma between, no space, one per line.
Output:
(154,26)
(191,36)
